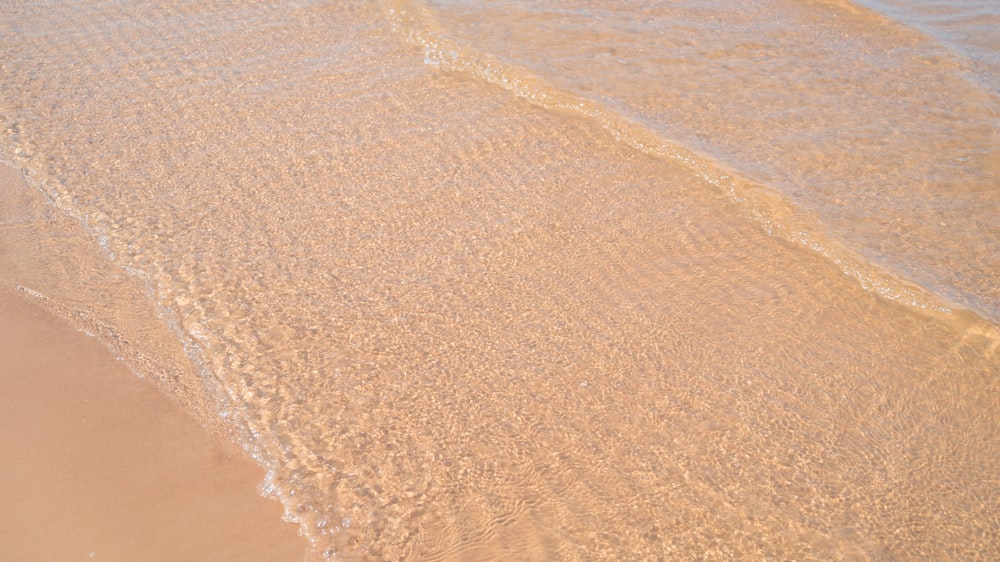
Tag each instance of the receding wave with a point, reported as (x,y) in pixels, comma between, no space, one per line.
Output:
(455,325)
(768,207)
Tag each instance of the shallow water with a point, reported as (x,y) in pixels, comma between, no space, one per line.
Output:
(837,127)
(547,281)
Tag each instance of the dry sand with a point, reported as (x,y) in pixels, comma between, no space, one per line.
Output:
(98,465)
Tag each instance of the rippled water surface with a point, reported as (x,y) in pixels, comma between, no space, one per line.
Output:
(542,280)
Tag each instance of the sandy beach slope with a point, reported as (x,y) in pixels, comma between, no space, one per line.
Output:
(97,464)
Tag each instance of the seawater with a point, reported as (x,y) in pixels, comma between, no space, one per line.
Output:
(542,280)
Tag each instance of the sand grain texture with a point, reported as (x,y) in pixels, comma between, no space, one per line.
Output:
(99,465)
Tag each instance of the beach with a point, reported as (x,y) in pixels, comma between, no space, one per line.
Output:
(99,465)
(519,280)
(102,462)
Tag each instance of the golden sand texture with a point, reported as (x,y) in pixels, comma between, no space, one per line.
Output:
(99,465)
(466,306)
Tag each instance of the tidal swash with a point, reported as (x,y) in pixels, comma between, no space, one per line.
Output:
(541,280)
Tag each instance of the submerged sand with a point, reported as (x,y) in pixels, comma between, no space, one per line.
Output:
(471,306)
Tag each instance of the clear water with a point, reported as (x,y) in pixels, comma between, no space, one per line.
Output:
(533,280)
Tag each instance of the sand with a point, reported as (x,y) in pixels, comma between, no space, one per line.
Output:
(99,465)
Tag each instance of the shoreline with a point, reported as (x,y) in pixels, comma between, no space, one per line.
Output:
(101,464)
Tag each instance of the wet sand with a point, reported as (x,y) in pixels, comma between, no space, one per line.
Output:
(98,465)
(472,297)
